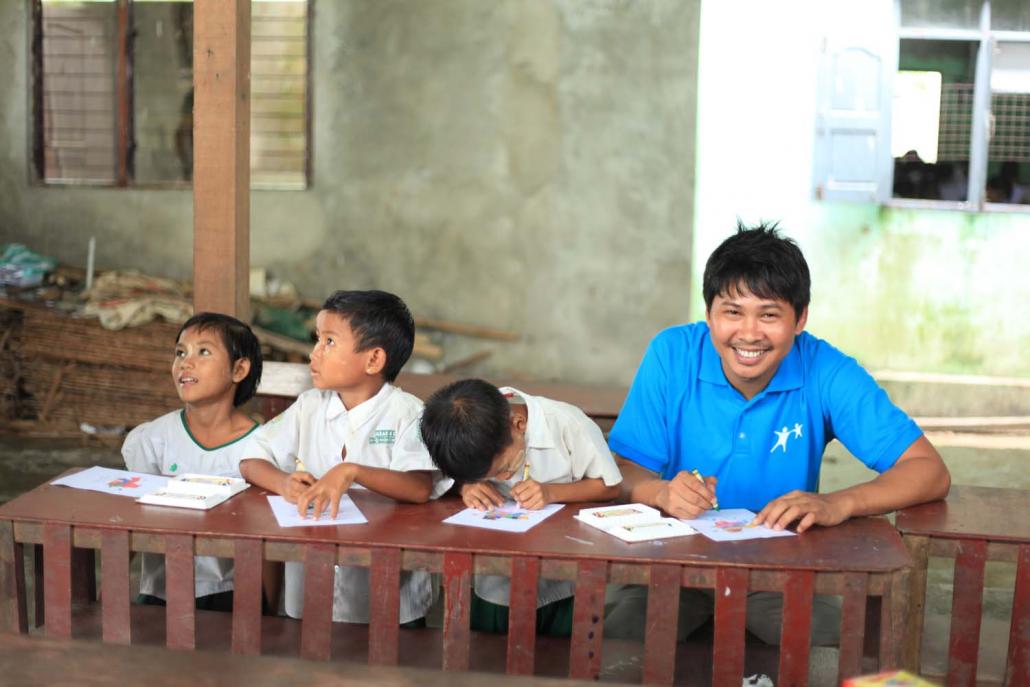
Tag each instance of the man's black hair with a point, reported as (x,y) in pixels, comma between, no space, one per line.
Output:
(378,320)
(239,341)
(465,426)
(760,260)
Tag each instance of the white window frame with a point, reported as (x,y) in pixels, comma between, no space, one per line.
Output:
(979,130)
(872,125)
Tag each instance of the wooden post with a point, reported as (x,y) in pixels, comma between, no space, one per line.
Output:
(221,145)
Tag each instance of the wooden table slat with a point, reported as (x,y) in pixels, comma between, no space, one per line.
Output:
(457,583)
(525,573)
(588,621)
(57,580)
(796,630)
(180,589)
(114,576)
(317,626)
(852,625)
(1017,665)
(247,592)
(730,615)
(384,607)
(966,607)
(663,605)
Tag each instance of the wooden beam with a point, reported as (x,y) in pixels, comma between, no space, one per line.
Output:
(221,153)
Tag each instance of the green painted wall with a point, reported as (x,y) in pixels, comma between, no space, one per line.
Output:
(919,290)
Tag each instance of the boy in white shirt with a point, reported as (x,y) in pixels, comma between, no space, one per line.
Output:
(353,428)
(216,369)
(501,443)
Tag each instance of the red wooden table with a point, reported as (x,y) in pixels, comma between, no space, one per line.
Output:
(860,559)
(973,525)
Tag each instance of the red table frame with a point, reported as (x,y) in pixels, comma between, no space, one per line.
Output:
(972,526)
(860,559)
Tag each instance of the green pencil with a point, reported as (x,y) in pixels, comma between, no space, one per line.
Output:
(715,501)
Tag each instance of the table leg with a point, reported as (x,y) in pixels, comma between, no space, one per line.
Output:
(918,547)
(13,611)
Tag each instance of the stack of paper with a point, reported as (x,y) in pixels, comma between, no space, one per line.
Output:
(633,522)
(195,491)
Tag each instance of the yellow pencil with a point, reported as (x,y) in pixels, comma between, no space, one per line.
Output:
(715,501)
(525,471)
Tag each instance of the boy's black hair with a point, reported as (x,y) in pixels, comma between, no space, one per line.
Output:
(465,426)
(758,258)
(378,320)
(239,341)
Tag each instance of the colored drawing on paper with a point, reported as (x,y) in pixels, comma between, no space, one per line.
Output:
(507,518)
(125,483)
(734,525)
(505,515)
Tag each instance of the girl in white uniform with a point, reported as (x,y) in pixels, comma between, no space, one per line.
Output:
(216,369)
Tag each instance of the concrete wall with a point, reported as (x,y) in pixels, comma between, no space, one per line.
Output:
(524,165)
(919,290)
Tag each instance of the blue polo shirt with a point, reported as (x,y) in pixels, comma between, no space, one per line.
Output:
(681,413)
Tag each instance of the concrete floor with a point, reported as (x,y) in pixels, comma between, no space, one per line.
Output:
(26,463)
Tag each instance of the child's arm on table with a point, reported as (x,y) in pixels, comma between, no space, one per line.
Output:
(290,485)
(534,495)
(413,486)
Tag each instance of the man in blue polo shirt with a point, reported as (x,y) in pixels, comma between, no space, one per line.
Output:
(750,400)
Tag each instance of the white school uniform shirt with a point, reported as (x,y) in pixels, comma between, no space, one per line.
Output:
(563,445)
(165,447)
(382,432)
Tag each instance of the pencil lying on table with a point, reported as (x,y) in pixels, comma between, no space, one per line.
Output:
(715,501)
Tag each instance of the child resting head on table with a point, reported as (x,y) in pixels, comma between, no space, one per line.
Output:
(216,368)
(501,443)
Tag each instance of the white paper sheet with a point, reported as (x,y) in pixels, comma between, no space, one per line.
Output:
(507,518)
(287,516)
(733,524)
(110,481)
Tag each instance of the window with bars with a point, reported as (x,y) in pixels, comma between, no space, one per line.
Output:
(981,51)
(940,116)
(113,92)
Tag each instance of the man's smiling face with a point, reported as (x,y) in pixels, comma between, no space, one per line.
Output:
(752,336)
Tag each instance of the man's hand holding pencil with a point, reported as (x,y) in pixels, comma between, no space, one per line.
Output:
(687,495)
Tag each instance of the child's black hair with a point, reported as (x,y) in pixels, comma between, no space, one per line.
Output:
(465,426)
(378,320)
(760,260)
(239,341)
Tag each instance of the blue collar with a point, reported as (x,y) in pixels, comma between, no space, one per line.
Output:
(788,375)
